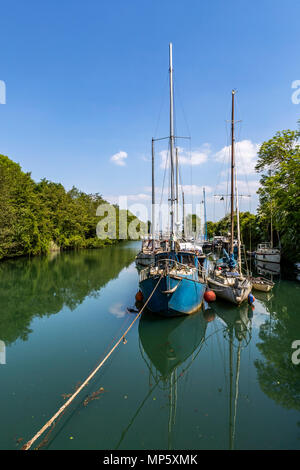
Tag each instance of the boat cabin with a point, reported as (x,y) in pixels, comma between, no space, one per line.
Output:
(186,258)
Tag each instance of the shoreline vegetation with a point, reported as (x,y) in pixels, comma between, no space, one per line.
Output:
(278,164)
(38,218)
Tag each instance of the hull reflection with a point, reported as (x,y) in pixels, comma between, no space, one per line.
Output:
(170,342)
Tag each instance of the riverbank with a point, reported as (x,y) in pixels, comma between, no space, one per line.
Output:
(38,217)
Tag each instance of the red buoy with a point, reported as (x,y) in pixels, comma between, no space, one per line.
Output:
(139,296)
(209,296)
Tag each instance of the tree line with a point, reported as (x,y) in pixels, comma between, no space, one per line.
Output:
(36,218)
(278,214)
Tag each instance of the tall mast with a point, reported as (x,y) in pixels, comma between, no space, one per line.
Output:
(171,139)
(271,210)
(183,216)
(153,193)
(271,226)
(205,223)
(232,173)
(238,225)
(177,195)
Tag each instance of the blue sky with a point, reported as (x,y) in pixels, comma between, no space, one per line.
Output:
(87,80)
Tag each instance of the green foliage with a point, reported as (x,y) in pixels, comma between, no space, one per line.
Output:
(250,227)
(279,198)
(279,193)
(192,225)
(210,229)
(34,215)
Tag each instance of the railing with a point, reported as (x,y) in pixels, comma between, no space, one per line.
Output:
(164,264)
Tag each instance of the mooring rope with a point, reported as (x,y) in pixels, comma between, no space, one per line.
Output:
(63,408)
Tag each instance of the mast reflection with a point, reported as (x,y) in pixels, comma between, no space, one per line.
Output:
(166,344)
(238,333)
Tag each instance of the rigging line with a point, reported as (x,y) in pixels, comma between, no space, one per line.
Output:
(134,416)
(188,132)
(181,104)
(228,167)
(198,349)
(214,210)
(245,169)
(165,171)
(191,169)
(86,382)
(222,161)
(163,99)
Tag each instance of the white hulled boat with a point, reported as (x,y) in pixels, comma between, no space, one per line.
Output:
(265,252)
(227,280)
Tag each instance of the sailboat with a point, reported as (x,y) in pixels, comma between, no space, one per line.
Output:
(227,280)
(176,282)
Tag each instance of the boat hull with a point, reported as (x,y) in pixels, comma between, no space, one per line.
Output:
(144,259)
(268,257)
(233,295)
(174,296)
(262,287)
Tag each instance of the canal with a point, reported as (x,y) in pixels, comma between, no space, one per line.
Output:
(220,379)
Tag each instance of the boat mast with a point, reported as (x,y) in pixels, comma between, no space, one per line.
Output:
(238,225)
(177,195)
(271,207)
(183,216)
(271,226)
(232,172)
(205,223)
(172,199)
(153,193)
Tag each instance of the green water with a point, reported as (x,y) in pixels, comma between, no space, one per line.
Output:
(219,379)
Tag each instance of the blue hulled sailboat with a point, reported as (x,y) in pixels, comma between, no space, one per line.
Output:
(182,283)
(176,282)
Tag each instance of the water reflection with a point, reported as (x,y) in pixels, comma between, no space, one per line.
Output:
(170,342)
(238,332)
(165,344)
(2,353)
(267,269)
(43,286)
(278,377)
(169,347)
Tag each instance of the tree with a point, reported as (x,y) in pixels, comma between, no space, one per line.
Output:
(279,193)
(192,225)
(34,215)
(250,228)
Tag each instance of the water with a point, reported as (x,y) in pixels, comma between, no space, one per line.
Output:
(215,380)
